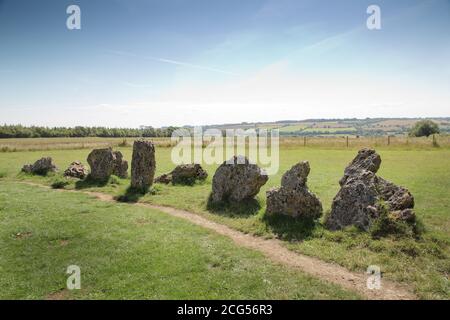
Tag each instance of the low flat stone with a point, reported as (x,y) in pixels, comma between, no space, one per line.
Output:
(184,174)
(76,170)
(293,197)
(41,166)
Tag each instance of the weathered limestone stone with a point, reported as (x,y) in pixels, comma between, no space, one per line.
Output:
(27,168)
(366,159)
(293,198)
(76,170)
(362,194)
(41,166)
(184,174)
(120,165)
(165,178)
(236,180)
(102,163)
(143,165)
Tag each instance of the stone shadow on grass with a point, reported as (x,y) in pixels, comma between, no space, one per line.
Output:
(289,228)
(241,209)
(90,182)
(190,182)
(132,195)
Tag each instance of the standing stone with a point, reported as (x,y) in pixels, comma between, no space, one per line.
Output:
(236,180)
(293,198)
(120,165)
(359,201)
(41,166)
(102,163)
(76,170)
(143,165)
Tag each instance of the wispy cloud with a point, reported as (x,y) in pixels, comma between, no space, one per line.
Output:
(174,62)
(136,85)
(195,66)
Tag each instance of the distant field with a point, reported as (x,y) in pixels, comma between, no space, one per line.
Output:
(292,128)
(361,127)
(425,171)
(330,130)
(337,141)
(30,144)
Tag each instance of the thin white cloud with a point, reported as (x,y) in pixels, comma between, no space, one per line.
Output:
(195,66)
(137,85)
(174,62)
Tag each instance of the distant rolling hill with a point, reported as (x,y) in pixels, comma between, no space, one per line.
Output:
(336,127)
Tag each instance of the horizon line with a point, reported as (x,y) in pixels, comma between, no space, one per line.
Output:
(237,123)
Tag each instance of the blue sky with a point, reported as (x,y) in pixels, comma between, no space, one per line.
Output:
(176,62)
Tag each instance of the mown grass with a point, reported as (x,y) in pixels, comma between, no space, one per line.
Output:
(129,252)
(423,263)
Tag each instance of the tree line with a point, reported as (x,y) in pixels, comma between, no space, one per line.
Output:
(20,131)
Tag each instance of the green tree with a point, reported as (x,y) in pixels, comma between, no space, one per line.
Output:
(424,128)
(19,131)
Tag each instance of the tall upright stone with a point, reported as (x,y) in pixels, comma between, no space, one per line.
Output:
(143,165)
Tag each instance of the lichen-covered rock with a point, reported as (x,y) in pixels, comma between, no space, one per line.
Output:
(27,168)
(102,163)
(143,165)
(355,203)
(187,173)
(364,195)
(236,180)
(184,174)
(76,170)
(296,177)
(165,178)
(120,165)
(105,162)
(407,215)
(41,166)
(396,197)
(293,197)
(365,160)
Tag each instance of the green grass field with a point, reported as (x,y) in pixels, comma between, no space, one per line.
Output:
(126,252)
(422,263)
